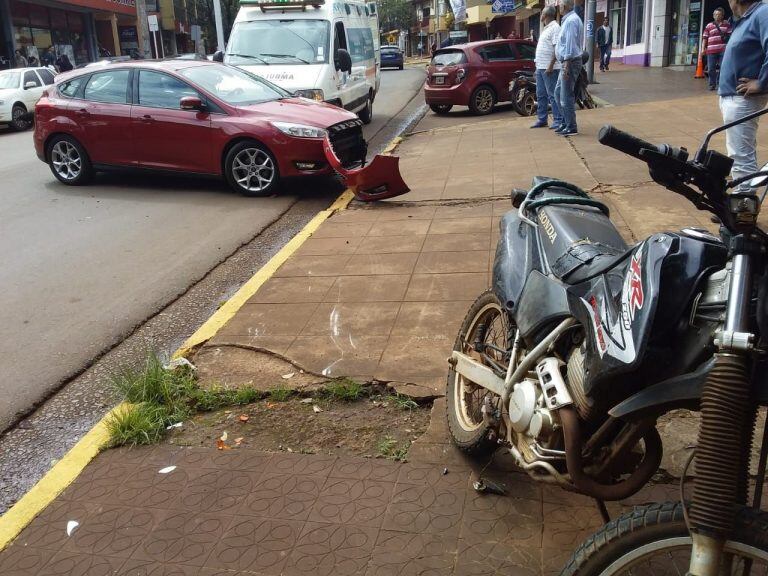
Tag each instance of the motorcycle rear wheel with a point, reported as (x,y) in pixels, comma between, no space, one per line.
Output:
(653,540)
(464,399)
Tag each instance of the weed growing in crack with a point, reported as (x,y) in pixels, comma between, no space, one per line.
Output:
(388,448)
(134,424)
(403,402)
(345,389)
(279,394)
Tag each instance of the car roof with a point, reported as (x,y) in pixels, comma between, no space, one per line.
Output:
(481,43)
(172,65)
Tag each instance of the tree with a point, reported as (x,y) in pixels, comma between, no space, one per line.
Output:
(395,14)
(207,21)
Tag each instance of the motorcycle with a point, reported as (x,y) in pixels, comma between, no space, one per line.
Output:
(583,342)
(523,91)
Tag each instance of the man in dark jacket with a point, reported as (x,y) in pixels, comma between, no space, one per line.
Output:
(604,42)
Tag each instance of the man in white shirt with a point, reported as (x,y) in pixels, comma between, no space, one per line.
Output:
(547,70)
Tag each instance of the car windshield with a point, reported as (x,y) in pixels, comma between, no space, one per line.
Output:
(232,85)
(9,80)
(279,42)
(388,50)
(449,58)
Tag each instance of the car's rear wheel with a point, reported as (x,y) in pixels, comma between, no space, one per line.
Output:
(69,161)
(251,169)
(482,101)
(18,120)
(400,67)
(441,108)
(366,114)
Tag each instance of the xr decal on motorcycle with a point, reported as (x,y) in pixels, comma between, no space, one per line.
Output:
(615,337)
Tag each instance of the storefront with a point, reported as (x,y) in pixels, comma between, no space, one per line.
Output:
(79,29)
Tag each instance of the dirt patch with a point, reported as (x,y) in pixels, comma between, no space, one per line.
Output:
(376,427)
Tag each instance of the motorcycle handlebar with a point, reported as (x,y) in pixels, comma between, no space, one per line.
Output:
(623,141)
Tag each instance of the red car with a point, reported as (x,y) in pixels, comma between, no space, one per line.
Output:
(476,74)
(191,117)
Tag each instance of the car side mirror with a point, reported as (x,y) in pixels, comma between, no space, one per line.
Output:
(191,103)
(343,61)
(218,56)
(30,84)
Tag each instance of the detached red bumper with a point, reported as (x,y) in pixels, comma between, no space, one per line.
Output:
(378,180)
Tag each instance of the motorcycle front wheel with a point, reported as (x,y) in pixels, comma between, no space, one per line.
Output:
(653,540)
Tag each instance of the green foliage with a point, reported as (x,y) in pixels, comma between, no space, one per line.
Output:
(280,393)
(395,14)
(403,402)
(143,423)
(345,389)
(388,448)
(207,400)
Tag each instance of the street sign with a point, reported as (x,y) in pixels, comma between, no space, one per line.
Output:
(503,6)
(458,34)
(154,26)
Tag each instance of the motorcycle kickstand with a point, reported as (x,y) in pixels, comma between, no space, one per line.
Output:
(603,510)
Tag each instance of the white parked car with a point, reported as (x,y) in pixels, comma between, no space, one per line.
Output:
(20,89)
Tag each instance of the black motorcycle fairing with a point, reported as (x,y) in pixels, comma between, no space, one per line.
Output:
(543,302)
(517,254)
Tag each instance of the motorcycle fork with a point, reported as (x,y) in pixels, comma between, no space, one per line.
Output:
(725,436)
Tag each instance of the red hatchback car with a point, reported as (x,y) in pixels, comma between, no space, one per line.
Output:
(190,117)
(476,74)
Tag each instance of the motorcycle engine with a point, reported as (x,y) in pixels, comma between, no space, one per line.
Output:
(576,372)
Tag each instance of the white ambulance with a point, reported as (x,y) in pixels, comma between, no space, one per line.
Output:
(323,50)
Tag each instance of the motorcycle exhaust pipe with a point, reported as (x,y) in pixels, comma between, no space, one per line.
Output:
(589,486)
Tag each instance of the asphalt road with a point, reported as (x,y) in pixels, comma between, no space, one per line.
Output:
(83,267)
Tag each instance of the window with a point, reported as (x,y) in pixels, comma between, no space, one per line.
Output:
(618,11)
(449,58)
(30,76)
(638,21)
(360,44)
(526,51)
(498,53)
(111,87)
(281,42)
(47,76)
(70,88)
(9,80)
(233,85)
(159,90)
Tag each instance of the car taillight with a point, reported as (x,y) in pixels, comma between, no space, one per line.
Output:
(460,75)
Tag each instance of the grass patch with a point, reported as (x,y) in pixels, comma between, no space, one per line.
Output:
(208,400)
(345,390)
(403,402)
(389,448)
(279,394)
(143,423)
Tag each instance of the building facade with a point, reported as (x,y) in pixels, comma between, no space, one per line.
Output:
(81,29)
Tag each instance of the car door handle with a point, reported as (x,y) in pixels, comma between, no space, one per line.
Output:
(146,118)
(83,112)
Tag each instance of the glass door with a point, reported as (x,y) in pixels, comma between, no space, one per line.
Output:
(617,15)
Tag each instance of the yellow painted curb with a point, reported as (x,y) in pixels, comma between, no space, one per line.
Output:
(56,479)
(87,448)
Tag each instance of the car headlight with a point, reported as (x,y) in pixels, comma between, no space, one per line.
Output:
(299,130)
(316,95)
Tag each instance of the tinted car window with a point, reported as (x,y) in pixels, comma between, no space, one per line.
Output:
(71,87)
(30,76)
(526,51)
(449,58)
(110,87)
(386,50)
(498,53)
(161,90)
(233,85)
(47,76)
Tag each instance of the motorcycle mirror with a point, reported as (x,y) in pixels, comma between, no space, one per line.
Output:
(517,197)
(758,181)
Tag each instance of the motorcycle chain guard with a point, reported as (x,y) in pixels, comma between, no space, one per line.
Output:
(378,180)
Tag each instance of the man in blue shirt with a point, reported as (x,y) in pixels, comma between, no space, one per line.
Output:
(744,82)
(568,52)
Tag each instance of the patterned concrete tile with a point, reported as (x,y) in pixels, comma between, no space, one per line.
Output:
(98,482)
(316,464)
(426,474)
(425,509)
(150,568)
(331,550)
(348,501)
(502,519)
(149,487)
(244,459)
(113,531)
(256,545)
(366,469)
(479,558)
(49,529)
(23,561)
(566,527)
(69,564)
(183,538)
(404,554)
(215,491)
(283,496)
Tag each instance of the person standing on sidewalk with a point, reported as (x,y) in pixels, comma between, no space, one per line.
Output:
(547,70)
(744,82)
(568,52)
(604,42)
(715,38)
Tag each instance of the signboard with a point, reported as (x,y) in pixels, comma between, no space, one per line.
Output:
(459,8)
(590,29)
(391,39)
(602,6)
(503,6)
(154,26)
(458,34)
(121,6)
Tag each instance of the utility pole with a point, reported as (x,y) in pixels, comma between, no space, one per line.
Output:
(219,26)
(589,34)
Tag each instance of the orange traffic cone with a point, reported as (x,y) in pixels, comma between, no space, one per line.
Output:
(700,67)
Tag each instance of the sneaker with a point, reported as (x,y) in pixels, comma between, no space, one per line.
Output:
(539,125)
(561,130)
(569,132)
(712,88)
(555,127)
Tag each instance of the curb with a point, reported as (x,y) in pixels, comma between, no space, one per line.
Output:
(69,467)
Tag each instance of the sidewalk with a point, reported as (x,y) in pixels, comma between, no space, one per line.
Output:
(378,292)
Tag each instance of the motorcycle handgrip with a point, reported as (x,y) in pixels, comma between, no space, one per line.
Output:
(623,141)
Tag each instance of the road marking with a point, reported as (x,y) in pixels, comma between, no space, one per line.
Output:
(66,470)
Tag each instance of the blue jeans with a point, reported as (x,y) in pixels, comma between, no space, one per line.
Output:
(605,56)
(741,140)
(545,94)
(713,68)
(564,90)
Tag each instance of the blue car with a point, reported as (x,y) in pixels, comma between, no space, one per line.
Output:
(391,57)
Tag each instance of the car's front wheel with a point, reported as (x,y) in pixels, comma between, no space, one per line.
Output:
(366,114)
(18,118)
(251,169)
(69,161)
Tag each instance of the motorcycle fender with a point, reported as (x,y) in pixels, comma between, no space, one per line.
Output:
(682,391)
(378,180)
